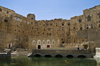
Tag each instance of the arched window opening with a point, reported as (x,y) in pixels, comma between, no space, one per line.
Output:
(0,10)
(33,42)
(5,20)
(87,28)
(68,24)
(80,28)
(80,20)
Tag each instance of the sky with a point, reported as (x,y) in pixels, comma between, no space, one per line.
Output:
(49,9)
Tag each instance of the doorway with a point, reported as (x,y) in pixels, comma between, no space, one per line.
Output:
(48,46)
(39,46)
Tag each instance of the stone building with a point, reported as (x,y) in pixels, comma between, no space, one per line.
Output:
(77,30)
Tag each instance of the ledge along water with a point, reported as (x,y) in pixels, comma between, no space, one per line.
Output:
(61,53)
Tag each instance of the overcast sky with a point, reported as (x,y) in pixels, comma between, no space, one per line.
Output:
(49,9)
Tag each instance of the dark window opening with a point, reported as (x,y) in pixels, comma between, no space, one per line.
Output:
(39,46)
(87,28)
(80,28)
(5,20)
(50,24)
(73,27)
(63,42)
(7,12)
(15,30)
(31,22)
(68,24)
(44,29)
(0,10)
(62,24)
(80,20)
(23,31)
(91,26)
(99,25)
(48,46)
(18,30)
(31,18)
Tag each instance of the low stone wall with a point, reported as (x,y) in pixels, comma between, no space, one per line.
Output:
(61,51)
(5,55)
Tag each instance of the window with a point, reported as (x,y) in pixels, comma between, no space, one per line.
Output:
(62,24)
(53,42)
(7,12)
(31,22)
(33,42)
(50,24)
(24,21)
(87,28)
(27,22)
(20,19)
(0,10)
(43,41)
(36,23)
(68,24)
(18,30)
(89,19)
(43,24)
(31,18)
(48,41)
(16,18)
(80,20)
(73,27)
(80,28)
(5,20)
(15,29)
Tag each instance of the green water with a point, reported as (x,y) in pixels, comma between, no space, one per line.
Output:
(34,61)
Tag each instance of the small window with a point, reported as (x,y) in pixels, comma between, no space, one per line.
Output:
(27,22)
(80,28)
(53,42)
(50,24)
(68,24)
(43,24)
(89,19)
(5,20)
(15,29)
(62,24)
(31,22)
(24,21)
(73,27)
(18,30)
(80,20)
(16,18)
(87,28)
(7,12)
(0,10)
(31,18)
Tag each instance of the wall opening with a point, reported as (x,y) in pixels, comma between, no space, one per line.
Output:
(58,55)
(69,56)
(85,46)
(39,46)
(48,46)
(81,56)
(47,56)
(5,20)
(37,55)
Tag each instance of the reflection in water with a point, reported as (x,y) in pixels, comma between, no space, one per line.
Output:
(38,61)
